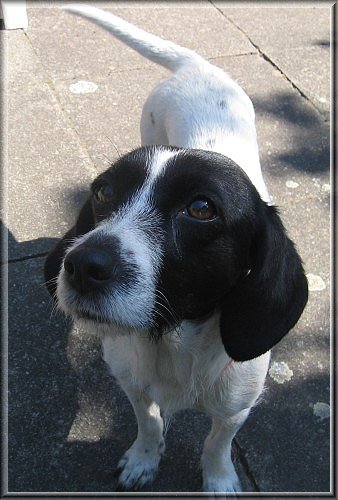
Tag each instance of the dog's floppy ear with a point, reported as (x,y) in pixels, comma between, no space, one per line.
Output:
(266,304)
(84,223)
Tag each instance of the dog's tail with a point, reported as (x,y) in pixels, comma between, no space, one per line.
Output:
(162,52)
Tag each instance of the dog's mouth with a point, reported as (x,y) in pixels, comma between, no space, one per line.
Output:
(155,328)
(85,311)
(112,311)
(136,307)
(92,316)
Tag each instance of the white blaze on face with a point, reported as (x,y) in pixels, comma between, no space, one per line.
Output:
(157,164)
(137,227)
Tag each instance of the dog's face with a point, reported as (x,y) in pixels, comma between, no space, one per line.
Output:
(168,235)
(166,244)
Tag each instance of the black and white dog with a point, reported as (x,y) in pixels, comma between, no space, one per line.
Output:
(178,262)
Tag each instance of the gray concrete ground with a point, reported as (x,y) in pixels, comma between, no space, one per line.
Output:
(68,423)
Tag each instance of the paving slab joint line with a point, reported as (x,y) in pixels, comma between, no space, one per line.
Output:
(268,59)
(26,257)
(245,465)
(233,56)
(49,82)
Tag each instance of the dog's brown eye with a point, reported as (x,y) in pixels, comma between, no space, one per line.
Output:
(104,194)
(201,209)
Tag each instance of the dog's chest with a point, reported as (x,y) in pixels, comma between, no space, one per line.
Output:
(176,373)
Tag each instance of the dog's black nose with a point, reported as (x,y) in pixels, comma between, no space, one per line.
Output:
(89,268)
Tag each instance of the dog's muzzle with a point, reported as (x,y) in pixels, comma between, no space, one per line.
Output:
(91,269)
(109,279)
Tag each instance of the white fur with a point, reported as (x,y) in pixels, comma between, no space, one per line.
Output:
(157,164)
(187,369)
(197,106)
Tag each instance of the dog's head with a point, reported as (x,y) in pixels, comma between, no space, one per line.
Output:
(170,235)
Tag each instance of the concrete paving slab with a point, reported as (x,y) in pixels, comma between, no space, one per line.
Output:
(103,54)
(316,89)
(308,223)
(288,46)
(48,170)
(283,25)
(114,109)
(22,61)
(270,453)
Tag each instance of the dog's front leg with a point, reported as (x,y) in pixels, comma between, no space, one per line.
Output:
(219,473)
(139,464)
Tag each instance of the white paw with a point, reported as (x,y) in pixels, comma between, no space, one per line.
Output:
(224,484)
(139,466)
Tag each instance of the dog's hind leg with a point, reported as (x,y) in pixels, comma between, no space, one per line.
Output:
(139,464)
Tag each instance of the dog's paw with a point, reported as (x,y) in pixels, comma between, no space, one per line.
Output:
(225,484)
(138,467)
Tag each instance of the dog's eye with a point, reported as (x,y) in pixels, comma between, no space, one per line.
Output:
(201,209)
(104,193)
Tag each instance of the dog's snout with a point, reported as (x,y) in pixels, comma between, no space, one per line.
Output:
(89,268)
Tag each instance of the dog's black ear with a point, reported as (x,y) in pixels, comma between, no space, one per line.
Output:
(266,304)
(84,224)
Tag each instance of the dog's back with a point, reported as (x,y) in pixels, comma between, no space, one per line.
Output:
(198,106)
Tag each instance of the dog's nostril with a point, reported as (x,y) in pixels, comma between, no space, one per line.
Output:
(98,273)
(69,266)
